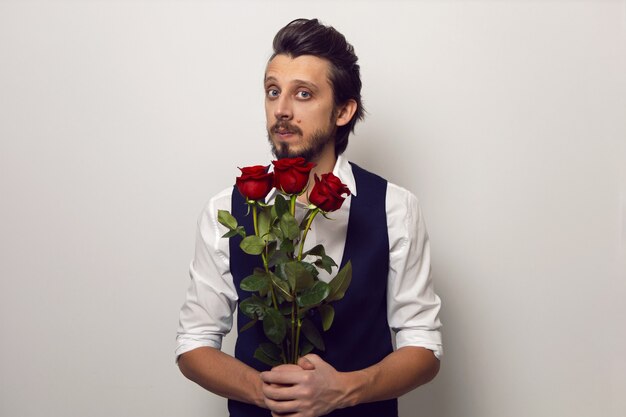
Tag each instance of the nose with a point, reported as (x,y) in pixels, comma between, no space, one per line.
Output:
(283,110)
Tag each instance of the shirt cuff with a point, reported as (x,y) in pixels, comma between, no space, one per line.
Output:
(187,343)
(429,339)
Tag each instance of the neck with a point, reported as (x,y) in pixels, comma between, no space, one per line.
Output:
(325,162)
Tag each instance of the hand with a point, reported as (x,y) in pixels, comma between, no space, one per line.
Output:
(303,364)
(311,389)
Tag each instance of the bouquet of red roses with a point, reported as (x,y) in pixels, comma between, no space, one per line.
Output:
(287,287)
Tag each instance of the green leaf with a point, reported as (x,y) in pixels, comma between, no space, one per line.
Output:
(271,248)
(307,279)
(274,326)
(286,246)
(281,206)
(230,233)
(282,287)
(277,258)
(306,347)
(285,310)
(311,268)
(339,285)
(252,245)
(226,219)
(253,307)
(298,276)
(314,295)
(238,231)
(260,355)
(326,263)
(248,325)
(278,233)
(312,334)
(280,270)
(327,312)
(263,222)
(271,350)
(289,226)
(258,281)
(317,250)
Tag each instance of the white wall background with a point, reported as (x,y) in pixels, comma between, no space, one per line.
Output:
(119,119)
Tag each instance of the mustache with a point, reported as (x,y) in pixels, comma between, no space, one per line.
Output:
(283,126)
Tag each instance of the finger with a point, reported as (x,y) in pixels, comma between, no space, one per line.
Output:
(285,415)
(282,377)
(282,407)
(287,367)
(278,392)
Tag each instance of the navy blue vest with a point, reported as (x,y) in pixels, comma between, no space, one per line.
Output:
(359,336)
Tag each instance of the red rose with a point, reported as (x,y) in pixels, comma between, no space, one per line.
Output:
(255,182)
(291,175)
(327,192)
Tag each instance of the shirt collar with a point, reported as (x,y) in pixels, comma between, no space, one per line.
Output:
(343,170)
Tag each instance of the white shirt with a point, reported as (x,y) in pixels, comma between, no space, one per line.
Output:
(412,305)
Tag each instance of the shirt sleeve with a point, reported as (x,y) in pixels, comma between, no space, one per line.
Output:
(207,314)
(413,307)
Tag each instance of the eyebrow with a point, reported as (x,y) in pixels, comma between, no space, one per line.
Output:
(304,83)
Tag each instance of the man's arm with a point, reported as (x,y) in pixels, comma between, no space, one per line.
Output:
(317,392)
(206,315)
(400,372)
(223,375)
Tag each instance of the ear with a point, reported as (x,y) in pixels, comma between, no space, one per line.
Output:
(345,112)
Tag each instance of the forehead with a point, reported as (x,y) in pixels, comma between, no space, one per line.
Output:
(308,68)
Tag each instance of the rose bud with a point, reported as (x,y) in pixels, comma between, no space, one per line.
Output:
(327,192)
(291,175)
(255,182)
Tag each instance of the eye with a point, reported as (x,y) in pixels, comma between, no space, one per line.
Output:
(272,93)
(303,94)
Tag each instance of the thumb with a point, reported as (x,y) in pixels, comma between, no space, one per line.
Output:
(313,359)
(306,364)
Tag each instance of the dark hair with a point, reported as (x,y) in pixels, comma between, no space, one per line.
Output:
(310,37)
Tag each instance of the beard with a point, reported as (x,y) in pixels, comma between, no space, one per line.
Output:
(310,151)
(312,147)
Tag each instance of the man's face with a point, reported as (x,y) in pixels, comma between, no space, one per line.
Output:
(299,107)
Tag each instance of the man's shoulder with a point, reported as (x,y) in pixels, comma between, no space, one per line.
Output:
(395,192)
(219,201)
(358,170)
(224,194)
(399,192)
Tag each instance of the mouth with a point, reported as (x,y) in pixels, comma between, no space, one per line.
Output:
(284,134)
(284,131)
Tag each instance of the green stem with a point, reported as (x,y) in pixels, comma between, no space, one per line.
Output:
(254,219)
(284,347)
(292,210)
(264,257)
(306,230)
(264,254)
(256,232)
(292,205)
(297,349)
(267,270)
(293,331)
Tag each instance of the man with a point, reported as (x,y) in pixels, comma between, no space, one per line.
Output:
(313,100)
